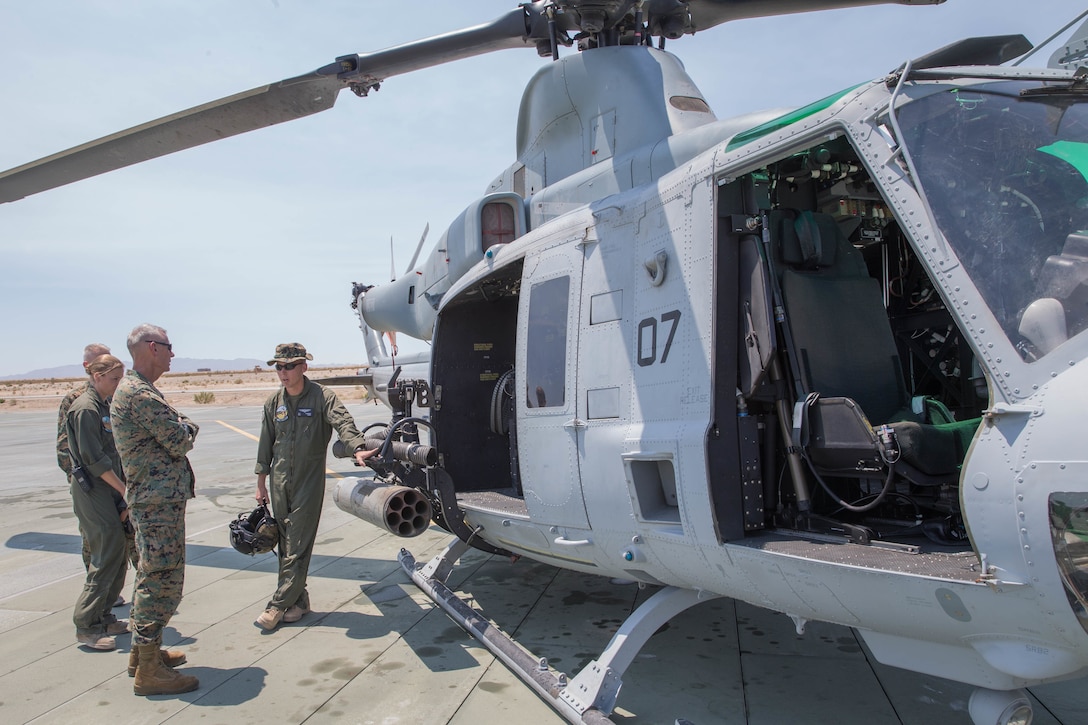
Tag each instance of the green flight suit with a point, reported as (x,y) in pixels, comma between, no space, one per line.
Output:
(295,435)
(153,438)
(91,445)
(63,459)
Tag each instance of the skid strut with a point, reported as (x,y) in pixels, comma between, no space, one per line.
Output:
(591,696)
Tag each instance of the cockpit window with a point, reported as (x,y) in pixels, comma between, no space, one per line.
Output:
(1006,176)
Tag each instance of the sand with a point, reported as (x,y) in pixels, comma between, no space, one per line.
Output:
(183,390)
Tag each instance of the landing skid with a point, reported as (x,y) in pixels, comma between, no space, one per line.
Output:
(591,696)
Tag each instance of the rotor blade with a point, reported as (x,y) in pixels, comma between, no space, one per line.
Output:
(516,29)
(708,13)
(314,92)
(419,247)
(257,108)
(286,100)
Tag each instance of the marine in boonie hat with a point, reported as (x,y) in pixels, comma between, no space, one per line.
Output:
(289,352)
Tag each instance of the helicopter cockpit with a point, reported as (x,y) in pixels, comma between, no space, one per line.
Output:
(881,395)
(871,340)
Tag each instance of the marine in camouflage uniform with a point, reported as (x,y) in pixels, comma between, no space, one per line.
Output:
(296,429)
(153,439)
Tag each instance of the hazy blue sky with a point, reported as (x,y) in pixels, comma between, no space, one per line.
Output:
(238,245)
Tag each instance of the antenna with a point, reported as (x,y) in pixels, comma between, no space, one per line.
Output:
(419,247)
(392,262)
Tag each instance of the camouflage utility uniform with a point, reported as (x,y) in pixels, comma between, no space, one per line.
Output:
(153,439)
(295,435)
(91,446)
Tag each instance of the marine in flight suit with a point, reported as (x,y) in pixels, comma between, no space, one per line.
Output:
(296,428)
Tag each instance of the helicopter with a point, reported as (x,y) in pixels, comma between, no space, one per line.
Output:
(825,361)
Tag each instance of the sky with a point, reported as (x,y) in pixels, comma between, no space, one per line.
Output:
(239,245)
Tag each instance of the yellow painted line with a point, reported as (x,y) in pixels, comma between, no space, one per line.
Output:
(238,430)
(228,426)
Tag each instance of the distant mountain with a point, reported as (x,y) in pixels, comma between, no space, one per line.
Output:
(177,365)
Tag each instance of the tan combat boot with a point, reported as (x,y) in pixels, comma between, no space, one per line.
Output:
(154,678)
(170,658)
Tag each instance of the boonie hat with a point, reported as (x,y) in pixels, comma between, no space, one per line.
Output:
(290,352)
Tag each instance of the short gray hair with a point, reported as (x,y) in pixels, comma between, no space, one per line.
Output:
(94,350)
(141,333)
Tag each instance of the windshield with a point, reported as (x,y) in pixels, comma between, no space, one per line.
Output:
(1006,175)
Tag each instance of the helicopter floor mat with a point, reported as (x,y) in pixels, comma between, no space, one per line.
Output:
(958,566)
(500,500)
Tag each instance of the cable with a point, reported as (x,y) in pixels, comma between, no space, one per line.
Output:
(850,507)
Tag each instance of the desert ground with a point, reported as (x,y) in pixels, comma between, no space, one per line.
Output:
(183,390)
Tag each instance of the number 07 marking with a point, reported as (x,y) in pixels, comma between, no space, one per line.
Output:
(647,338)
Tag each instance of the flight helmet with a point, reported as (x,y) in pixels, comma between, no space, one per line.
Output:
(255,532)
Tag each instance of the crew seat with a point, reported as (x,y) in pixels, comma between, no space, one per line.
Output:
(848,361)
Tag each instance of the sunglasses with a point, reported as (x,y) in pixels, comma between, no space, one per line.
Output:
(167,345)
(287,366)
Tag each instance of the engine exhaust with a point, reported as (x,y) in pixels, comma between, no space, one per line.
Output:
(400,510)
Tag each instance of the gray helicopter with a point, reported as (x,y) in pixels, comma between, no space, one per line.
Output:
(826,361)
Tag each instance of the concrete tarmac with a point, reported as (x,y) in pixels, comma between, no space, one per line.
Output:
(375,650)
